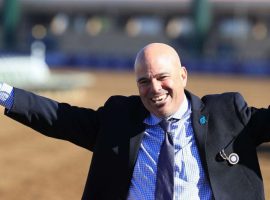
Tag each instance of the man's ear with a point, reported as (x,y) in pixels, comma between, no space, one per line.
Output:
(184,75)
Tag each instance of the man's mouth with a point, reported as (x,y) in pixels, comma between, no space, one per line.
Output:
(159,99)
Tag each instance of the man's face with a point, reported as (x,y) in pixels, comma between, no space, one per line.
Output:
(161,82)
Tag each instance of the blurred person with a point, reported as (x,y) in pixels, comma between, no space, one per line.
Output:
(165,143)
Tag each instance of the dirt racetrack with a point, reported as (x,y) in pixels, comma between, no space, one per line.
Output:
(36,167)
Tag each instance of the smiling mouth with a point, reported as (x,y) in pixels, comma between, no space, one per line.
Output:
(159,99)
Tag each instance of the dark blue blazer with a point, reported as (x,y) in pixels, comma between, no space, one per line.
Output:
(114,133)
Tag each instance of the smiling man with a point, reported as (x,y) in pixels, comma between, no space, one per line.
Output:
(165,143)
(161,82)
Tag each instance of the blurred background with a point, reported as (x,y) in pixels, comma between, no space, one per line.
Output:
(228,36)
(82,51)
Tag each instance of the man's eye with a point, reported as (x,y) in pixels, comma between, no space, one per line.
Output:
(163,77)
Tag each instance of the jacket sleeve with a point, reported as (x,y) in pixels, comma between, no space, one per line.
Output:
(59,120)
(255,120)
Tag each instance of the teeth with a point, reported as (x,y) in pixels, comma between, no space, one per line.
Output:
(159,98)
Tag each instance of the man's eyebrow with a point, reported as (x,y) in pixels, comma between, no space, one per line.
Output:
(162,74)
(142,79)
(157,75)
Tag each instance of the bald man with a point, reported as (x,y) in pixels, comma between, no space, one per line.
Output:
(213,139)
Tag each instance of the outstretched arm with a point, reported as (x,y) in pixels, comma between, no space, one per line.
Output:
(51,118)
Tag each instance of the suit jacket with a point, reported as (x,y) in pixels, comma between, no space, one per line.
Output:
(114,133)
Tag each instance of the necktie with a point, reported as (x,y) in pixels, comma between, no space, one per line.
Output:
(165,166)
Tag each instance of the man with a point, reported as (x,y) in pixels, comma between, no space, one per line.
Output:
(214,139)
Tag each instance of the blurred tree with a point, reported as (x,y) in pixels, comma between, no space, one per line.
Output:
(10,22)
(202,16)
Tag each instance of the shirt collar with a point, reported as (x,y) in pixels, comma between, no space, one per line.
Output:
(180,113)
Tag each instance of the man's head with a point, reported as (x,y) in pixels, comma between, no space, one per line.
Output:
(160,79)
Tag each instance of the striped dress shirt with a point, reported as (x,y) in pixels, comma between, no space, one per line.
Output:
(190,181)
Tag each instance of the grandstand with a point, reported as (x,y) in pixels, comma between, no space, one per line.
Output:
(108,33)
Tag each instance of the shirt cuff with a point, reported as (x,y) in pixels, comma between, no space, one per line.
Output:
(6,95)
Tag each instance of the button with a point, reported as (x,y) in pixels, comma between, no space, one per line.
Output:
(233,158)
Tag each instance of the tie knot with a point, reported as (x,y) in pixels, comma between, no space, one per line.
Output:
(166,123)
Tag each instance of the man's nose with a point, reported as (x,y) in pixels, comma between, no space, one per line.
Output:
(156,85)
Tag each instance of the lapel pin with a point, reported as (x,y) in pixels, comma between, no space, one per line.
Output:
(203,120)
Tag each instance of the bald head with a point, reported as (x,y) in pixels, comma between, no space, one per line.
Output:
(160,79)
(156,52)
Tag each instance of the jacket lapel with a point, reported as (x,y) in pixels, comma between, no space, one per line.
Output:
(138,128)
(134,148)
(199,123)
